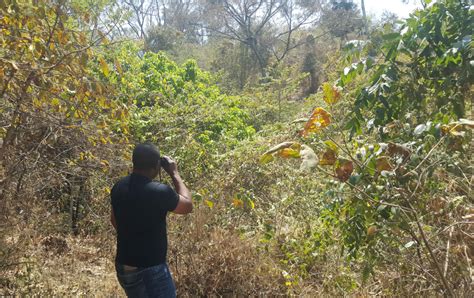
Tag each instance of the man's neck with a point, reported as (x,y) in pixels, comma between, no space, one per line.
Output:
(145,173)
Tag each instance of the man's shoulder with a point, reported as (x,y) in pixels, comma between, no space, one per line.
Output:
(159,187)
(120,185)
(121,181)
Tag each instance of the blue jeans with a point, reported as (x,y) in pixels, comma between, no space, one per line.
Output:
(155,281)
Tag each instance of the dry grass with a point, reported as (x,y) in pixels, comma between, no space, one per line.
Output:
(63,266)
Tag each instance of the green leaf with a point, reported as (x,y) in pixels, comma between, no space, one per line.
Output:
(266,158)
(391,36)
(331,145)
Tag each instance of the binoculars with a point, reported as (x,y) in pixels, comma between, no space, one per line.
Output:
(163,161)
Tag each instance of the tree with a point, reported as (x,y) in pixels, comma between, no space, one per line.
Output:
(265,27)
(342,18)
(144,16)
(55,110)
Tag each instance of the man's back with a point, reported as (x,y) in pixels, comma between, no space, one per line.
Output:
(140,207)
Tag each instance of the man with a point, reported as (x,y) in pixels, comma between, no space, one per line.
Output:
(139,209)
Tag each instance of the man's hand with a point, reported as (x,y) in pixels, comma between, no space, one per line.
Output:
(185,203)
(170,166)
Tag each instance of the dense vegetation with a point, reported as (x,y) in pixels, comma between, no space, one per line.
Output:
(325,157)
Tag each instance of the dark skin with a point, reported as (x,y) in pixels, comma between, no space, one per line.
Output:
(185,204)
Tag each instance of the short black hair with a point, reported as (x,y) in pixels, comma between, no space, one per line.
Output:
(145,156)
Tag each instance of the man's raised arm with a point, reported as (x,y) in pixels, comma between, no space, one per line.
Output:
(185,203)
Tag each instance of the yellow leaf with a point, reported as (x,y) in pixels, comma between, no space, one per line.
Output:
(105,165)
(266,158)
(118,66)
(238,203)
(62,38)
(210,204)
(55,102)
(36,102)
(331,93)
(279,147)
(289,152)
(319,119)
(252,204)
(104,66)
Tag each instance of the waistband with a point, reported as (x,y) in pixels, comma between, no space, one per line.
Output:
(123,268)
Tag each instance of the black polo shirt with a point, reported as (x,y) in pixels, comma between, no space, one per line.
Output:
(140,206)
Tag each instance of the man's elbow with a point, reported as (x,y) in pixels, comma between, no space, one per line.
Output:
(185,206)
(188,207)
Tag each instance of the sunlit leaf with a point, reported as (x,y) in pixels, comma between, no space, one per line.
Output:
(466,122)
(55,102)
(319,119)
(104,66)
(344,169)
(285,150)
(118,66)
(238,203)
(62,37)
(371,230)
(252,204)
(331,145)
(331,93)
(420,129)
(328,158)
(279,147)
(456,128)
(210,204)
(289,152)
(266,158)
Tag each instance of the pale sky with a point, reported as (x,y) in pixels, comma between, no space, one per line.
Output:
(377,7)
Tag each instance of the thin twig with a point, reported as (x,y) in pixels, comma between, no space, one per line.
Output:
(448,246)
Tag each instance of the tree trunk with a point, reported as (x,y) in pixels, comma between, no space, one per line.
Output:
(364,15)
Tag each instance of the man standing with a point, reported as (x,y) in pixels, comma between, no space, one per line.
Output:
(139,209)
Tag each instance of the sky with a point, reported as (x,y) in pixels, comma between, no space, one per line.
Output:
(377,7)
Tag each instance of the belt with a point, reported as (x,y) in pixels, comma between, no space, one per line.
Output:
(127,268)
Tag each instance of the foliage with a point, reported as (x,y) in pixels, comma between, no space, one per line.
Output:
(427,67)
(179,107)
(388,175)
(373,179)
(57,117)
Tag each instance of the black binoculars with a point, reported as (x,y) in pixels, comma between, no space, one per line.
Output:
(164,162)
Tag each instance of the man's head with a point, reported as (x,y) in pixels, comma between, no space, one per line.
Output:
(146,159)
